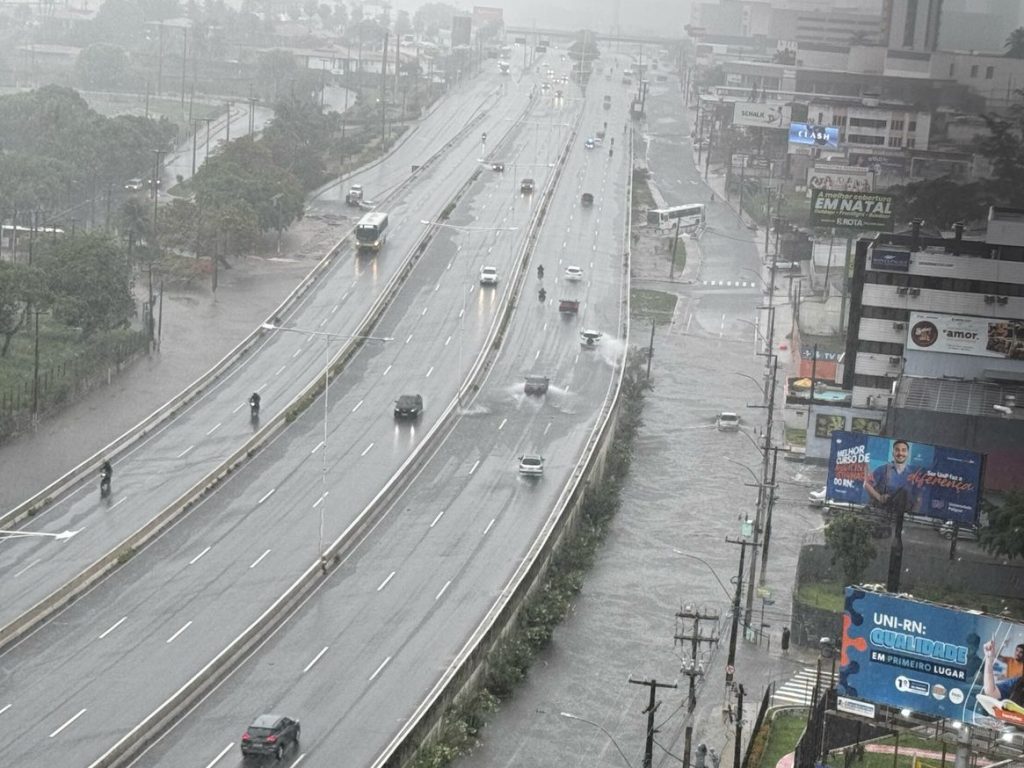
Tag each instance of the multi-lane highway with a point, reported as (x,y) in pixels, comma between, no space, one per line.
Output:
(82,681)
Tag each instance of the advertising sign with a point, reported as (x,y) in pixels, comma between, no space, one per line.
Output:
(827,423)
(462,27)
(849,178)
(895,475)
(932,659)
(825,136)
(769,114)
(860,210)
(966,335)
(484,15)
(890,259)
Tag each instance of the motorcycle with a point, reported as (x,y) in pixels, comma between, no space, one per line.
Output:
(542,294)
(254,409)
(105,478)
(540,271)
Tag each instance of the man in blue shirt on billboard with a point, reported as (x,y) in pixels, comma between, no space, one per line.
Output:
(891,486)
(1012,688)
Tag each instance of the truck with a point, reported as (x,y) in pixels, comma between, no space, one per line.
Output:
(354,196)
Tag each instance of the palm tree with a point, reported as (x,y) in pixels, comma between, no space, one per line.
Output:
(1015,44)
(135,222)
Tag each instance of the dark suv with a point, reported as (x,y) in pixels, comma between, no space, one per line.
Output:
(536,385)
(526,186)
(408,406)
(270,735)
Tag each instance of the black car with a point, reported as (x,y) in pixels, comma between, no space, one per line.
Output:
(526,186)
(408,406)
(536,385)
(270,735)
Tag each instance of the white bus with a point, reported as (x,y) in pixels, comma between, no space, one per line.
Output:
(372,231)
(689,216)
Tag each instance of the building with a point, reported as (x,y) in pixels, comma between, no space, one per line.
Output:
(913,24)
(935,340)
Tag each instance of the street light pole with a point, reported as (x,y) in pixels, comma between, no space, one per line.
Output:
(603,730)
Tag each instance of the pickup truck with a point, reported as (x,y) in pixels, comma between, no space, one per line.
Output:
(569,306)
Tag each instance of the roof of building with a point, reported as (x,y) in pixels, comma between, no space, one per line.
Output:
(958,396)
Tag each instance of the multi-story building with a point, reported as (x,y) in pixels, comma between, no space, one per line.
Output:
(936,339)
(913,24)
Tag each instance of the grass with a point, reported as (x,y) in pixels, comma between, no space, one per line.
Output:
(827,595)
(783,732)
(652,305)
(57,344)
(903,760)
(796,436)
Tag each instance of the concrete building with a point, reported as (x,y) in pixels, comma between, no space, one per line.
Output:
(913,24)
(936,340)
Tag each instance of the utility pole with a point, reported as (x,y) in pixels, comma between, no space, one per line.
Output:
(650,351)
(675,244)
(768,510)
(691,667)
(652,707)
(737,755)
(730,663)
(383,95)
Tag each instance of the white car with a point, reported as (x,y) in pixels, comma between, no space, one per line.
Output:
(727,421)
(573,273)
(488,275)
(531,464)
(590,339)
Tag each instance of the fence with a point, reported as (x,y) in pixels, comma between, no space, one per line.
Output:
(766,701)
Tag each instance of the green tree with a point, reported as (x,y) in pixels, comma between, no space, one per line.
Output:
(403,24)
(1015,44)
(21,286)
(429,18)
(1004,534)
(848,538)
(102,66)
(88,279)
(941,201)
(134,222)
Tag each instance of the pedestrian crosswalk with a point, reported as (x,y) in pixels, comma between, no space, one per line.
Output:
(798,691)
(728,284)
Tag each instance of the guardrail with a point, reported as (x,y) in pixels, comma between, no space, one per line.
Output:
(126,548)
(139,738)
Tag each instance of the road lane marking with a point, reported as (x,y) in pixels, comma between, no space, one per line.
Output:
(366,450)
(461,313)
(173,637)
(437,287)
(375,673)
(114,626)
(315,659)
(438,596)
(214,428)
(323,322)
(385,582)
(318,447)
(185,452)
(488,528)
(26,568)
(69,722)
(335,307)
(475,465)
(423,312)
(281,370)
(239,407)
(386,371)
(221,754)
(430,371)
(267,495)
(319,501)
(448,341)
(195,559)
(297,352)
(408,339)
(357,406)
(119,502)
(547,427)
(434,521)
(259,559)
(503,422)
(536,355)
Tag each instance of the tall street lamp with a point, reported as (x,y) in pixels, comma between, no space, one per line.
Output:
(327,337)
(601,728)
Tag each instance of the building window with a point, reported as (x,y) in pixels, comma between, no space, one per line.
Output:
(990,72)
(974,70)
(895,141)
(911,142)
(952,70)
(857,138)
(912,126)
(897,125)
(866,122)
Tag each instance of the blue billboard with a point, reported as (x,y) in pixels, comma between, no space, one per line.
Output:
(826,136)
(895,475)
(890,259)
(932,659)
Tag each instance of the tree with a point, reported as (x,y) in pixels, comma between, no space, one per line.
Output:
(134,222)
(941,201)
(1015,44)
(403,24)
(21,286)
(102,66)
(88,278)
(431,17)
(1004,534)
(848,537)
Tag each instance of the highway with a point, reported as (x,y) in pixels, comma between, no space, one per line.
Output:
(81,681)
(171,459)
(355,662)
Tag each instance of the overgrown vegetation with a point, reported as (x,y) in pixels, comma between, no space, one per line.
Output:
(1004,534)
(658,306)
(509,662)
(848,537)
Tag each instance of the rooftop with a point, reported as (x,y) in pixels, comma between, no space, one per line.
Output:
(958,396)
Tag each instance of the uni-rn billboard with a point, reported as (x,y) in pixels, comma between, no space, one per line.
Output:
(932,659)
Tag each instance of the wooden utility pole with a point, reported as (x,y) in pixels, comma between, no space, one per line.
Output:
(652,707)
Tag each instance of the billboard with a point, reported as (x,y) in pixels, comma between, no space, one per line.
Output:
(848,178)
(770,114)
(859,210)
(824,136)
(462,27)
(890,259)
(966,335)
(895,475)
(484,15)
(932,659)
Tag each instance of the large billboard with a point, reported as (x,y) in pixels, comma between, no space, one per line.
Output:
(849,178)
(462,27)
(966,335)
(932,659)
(896,475)
(859,210)
(825,136)
(768,114)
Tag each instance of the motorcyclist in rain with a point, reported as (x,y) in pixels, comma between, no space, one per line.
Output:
(540,271)
(254,404)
